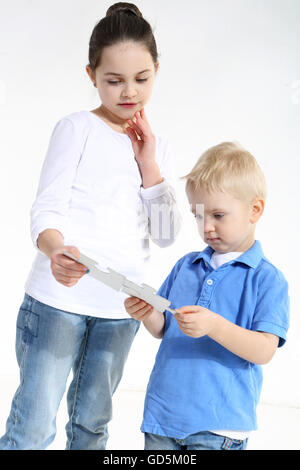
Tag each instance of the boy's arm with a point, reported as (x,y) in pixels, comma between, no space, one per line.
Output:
(153,320)
(155,324)
(253,346)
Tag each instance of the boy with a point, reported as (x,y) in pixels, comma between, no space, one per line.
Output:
(233,309)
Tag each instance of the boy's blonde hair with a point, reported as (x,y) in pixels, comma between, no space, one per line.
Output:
(229,168)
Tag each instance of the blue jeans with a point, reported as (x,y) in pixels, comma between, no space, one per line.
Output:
(204,440)
(49,343)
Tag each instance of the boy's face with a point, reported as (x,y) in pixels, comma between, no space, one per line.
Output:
(225,223)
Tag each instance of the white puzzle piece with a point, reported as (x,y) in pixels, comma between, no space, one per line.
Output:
(119,282)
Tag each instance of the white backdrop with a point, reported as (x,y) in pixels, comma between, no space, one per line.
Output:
(229,70)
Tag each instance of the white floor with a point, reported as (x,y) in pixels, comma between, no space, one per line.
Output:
(279,427)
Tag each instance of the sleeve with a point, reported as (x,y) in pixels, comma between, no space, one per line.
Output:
(164,219)
(50,207)
(272,309)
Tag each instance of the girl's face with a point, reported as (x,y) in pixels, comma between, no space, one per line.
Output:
(124,79)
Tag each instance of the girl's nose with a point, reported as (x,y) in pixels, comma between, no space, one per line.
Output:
(129,91)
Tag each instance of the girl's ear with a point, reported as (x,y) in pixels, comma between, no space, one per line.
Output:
(90,73)
(156,67)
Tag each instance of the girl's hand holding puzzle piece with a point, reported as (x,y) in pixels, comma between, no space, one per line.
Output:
(65,270)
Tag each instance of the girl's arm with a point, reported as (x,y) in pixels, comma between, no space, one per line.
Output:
(153,320)
(50,209)
(253,346)
(158,196)
(49,240)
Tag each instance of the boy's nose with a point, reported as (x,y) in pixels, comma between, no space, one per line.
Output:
(208,227)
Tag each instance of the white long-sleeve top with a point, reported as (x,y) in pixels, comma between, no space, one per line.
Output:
(90,191)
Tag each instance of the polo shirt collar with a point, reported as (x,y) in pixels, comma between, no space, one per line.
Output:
(251,257)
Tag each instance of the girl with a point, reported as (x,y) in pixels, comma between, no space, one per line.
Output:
(104,189)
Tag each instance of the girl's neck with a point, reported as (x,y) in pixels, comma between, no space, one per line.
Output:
(113,121)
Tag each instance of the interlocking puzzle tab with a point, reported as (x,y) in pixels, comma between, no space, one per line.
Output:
(119,282)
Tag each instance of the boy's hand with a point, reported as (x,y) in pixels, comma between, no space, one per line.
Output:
(137,308)
(195,321)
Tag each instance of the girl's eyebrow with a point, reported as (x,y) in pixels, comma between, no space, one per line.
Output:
(120,75)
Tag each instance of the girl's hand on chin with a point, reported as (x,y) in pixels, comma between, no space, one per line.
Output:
(142,138)
(144,147)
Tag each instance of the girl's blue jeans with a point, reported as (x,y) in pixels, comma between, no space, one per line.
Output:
(49,343)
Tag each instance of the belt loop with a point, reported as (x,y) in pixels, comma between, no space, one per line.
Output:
(30,299)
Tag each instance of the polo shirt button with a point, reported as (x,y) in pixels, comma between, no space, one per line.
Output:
(210,282)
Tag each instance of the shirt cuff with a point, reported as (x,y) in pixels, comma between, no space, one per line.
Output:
(155,191)
(272,328)
(36,230)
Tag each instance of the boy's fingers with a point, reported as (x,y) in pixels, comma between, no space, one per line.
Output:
(188,309)
(132,301)
(144,308)
(185,319)
(143,313)
(136,306)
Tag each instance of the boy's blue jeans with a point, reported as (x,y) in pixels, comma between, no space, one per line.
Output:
(49,343)
(204,440)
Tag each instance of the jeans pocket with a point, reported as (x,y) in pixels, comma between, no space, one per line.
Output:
(28,323)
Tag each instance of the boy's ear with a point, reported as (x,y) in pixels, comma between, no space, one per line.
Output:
(257,209)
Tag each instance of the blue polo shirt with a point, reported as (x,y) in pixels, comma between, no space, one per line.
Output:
(197,384)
